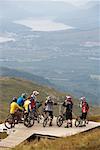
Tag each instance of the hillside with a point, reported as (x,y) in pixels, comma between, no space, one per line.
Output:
(10,87)
(4,71)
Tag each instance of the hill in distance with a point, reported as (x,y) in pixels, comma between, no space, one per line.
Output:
(4,71)
(10,86)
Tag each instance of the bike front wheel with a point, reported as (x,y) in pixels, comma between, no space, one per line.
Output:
(77,123)
(28,121)
(59,121)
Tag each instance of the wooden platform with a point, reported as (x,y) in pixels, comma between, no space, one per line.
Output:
(20,133)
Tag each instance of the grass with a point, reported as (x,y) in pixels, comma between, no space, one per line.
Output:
(3,135)
(95,118)
(10,87)
(84,141)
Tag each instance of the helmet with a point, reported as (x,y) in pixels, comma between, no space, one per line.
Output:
(83,99)
(14,99)
(48,98)
(35,93)
(68,97)
(23,95)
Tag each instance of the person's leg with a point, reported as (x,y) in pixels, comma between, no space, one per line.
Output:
(84,118)
(18,115)
(51,117)
(66,126)
(70,119)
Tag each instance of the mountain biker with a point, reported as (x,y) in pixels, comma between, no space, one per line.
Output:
(49,103)
(34,99)
(84,109)
(68,104)
(14,99)
(27,105)
(14,107)
(35,104)
(21,99)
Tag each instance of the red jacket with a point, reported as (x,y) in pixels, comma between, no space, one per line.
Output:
(33,104)
(85,107)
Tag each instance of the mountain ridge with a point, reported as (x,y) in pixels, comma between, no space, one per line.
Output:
(10,72)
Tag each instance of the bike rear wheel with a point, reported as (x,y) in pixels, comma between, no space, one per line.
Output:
(9,122)
(45,122)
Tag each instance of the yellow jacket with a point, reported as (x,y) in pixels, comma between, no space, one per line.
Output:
(14,107)
(27,104)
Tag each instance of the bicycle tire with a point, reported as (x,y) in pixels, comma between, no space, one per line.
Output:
(9,123)
(28,120)
(77,123)
(59,121)
(45,122)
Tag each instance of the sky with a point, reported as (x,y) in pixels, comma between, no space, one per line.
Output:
(75,2)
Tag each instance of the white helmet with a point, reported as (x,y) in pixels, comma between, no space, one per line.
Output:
(68,97)
(23,95)
(83,99)
(35,93)
(48,97)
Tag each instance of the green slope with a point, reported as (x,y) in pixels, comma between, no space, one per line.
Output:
(4,71)
(10,87)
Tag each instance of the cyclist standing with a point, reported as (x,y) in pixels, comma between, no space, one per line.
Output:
(68,104)
(49,103)
(34,99)
(84,109)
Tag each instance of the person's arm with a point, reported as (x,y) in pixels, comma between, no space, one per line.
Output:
(46,103)
(63,104)
(21,108)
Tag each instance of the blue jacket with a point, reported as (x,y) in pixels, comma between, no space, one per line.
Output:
(20,101)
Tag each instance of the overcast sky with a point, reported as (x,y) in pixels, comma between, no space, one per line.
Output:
(76,2)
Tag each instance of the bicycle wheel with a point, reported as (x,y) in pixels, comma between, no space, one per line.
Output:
(28,121)
(77,123)
(45,122)
(59,121)
(38,118)
(9,122)
(86,121)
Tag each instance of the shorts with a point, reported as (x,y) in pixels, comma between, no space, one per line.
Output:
(83,116)
(68,115)
(50,113)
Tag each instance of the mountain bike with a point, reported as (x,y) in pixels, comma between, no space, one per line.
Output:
(36,114)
